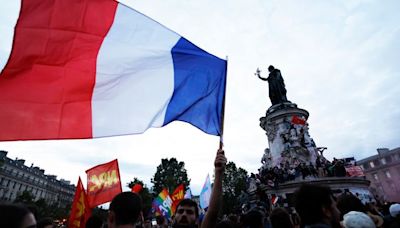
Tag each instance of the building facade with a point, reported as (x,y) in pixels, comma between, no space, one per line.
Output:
(383,170)
(16,177)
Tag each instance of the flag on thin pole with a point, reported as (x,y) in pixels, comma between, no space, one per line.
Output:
(103,183)
(80,210)
(74,72)
(162,204)
(177,196)
(188,194)
(205,193)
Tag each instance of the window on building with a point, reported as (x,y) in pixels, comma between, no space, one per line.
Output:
(371,164)
(396,157)
(365,166)
(388,159)
(383,161)
(375,175)
(387,173)
(376,162)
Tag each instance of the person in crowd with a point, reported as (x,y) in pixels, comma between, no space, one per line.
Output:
(394,210)
(161,222)
(46,223)
(280,218)
(210,219)
(94,221)
(16,216)
(125,210)
(357,219)
(316,207)
(186,214)
(348,202)
(226,224)
(253,219)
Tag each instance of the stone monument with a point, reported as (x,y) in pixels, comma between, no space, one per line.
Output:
(291,147)
(286,127)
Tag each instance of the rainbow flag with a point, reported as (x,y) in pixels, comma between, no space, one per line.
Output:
(162,204)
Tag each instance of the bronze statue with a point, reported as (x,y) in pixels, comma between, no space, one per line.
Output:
(277,90)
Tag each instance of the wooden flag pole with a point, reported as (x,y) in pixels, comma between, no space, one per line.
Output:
(221,138)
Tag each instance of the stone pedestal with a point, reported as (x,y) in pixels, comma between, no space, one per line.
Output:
(356,185)
(291,146)
(289,141)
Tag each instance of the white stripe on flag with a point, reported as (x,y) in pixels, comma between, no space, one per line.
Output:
(135,75)
(9,11)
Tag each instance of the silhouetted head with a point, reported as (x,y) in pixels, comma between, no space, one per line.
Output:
(125,209)
(280,218)
(315,204)
(271,68)
(16,216)
(349,202)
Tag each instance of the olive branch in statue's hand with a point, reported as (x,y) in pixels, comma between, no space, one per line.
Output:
(257,73)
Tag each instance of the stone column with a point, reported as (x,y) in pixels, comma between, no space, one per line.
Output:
(288,138)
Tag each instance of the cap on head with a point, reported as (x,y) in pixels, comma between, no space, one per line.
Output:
(355,219)
(394,210)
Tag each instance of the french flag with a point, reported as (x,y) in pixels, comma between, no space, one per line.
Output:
(97,68)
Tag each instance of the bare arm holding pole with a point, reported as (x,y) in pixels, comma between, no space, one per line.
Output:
(210,220)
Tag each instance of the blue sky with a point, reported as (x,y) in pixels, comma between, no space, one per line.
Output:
(339,60)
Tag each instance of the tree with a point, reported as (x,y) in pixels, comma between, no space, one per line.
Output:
(26,198)
(147,197)
(233,184)
(170,173)
(41,208)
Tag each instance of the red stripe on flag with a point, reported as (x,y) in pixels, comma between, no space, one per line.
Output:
(47,84)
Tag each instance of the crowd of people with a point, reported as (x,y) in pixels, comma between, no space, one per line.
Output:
(288,172)
(315,207)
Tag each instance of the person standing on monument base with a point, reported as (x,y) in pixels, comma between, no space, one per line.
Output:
(276,85)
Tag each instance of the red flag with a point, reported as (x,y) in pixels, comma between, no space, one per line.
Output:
(80,210)
(355,171)
(177,196)
(274,199)
(137,188)
(103,183)
(298,120)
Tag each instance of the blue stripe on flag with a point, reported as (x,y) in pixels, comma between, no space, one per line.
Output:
(199,86)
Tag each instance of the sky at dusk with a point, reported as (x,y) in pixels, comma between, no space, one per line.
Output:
(339,60)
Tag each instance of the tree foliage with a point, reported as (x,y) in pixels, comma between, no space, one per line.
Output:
(41,207)
(170,173)
(234,183)
(145,194)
